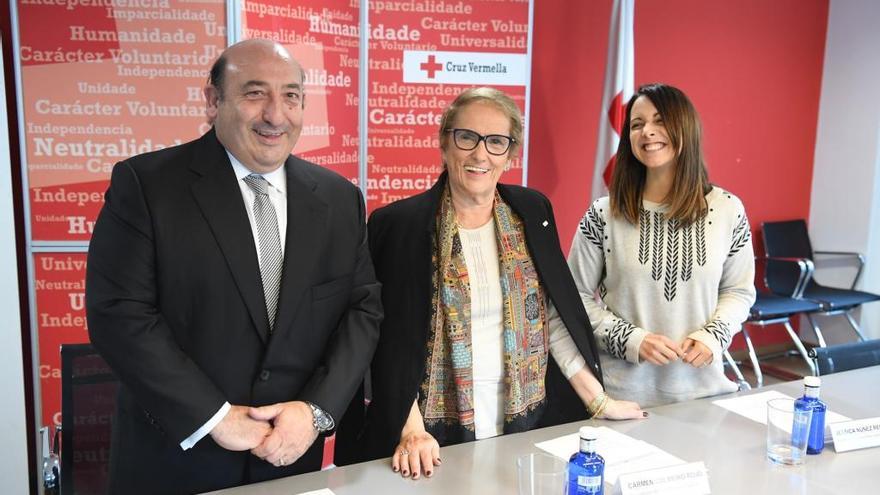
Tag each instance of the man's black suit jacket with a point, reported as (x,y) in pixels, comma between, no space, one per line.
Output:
(400,243)
(175,305)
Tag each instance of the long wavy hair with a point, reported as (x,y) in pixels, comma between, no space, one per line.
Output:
(686,198)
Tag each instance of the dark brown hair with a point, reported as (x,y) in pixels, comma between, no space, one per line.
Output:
(217,75)
(686,198)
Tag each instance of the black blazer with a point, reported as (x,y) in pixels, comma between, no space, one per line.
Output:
(175,305)
(400,243)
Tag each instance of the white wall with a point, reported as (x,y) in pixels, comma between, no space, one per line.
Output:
(845,201)
(13,427)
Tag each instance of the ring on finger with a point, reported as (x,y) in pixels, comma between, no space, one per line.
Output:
(404,452)
(281,461)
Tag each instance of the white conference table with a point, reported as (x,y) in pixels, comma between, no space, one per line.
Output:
(731,446)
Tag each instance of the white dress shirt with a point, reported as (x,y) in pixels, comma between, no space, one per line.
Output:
(277,180)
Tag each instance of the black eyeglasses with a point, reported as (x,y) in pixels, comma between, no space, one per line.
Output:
(466,140)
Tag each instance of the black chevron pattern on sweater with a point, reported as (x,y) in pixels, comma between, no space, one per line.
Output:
(644,234)
(617,337)
(741,236)
(687,256)
(592,227)
(657,228)
(670,282)
(701,241)
(720,330)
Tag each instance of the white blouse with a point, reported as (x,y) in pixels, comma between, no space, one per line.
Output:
(480,251)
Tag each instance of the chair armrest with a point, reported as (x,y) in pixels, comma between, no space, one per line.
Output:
(806,272)
(815,359)
(840,253)
(782,258)
(849,254)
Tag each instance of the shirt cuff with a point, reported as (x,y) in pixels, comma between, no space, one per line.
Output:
(571,367)
(634,344)
(709,341)
(193,439)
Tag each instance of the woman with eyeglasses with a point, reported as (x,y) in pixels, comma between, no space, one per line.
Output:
(477,296)
(670,256)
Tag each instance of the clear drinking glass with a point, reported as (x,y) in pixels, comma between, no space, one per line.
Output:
(541,474)
(787,431)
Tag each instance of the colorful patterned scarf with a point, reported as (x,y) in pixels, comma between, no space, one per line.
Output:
(446,399)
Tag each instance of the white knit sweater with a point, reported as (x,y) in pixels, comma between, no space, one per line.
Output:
(661,277)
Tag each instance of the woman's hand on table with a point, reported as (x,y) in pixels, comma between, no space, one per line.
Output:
(417,453)
(622,409)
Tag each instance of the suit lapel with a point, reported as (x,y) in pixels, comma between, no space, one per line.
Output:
(425,222)
(535,222)
(307,218)
(219,197)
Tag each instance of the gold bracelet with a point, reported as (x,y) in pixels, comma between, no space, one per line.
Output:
(596,403)
(601,407)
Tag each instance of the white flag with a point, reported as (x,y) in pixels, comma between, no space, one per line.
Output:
(619,76)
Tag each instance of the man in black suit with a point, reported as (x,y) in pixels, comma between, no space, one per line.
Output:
(230,288)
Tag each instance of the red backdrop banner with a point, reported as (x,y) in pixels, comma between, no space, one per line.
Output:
(422,55)
(60,282)
(329,57)
(101,84)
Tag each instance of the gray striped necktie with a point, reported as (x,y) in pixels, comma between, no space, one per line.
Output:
(270,244)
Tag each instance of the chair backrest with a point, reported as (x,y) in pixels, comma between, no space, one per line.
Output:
(845,357)
(88,406)
(788,239)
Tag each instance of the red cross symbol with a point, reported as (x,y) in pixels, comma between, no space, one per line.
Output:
(616,116)
(431,66)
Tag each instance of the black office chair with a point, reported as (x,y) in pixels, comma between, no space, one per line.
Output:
(773,309)
(88,405)
(789,239)
(845,357)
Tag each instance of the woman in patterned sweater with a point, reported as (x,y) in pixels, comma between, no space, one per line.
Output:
(670,256)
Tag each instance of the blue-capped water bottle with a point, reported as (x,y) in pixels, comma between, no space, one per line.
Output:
(810,401)
(586,468)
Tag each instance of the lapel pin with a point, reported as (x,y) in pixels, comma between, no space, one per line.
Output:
(546,223)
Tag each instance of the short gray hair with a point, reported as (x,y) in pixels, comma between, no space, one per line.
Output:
(489,95)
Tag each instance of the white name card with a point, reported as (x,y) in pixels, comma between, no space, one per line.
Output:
(857,434)
(683,479)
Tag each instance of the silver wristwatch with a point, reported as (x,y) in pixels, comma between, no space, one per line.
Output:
(321,420)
